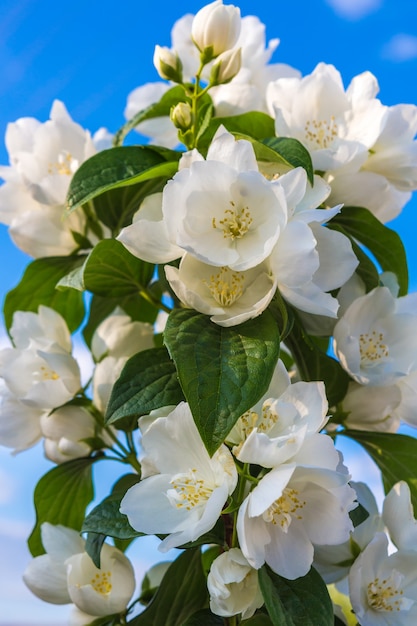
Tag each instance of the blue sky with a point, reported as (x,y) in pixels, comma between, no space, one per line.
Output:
(90,54)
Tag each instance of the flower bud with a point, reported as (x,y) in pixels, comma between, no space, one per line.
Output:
(226,67)
(181,115)
(215,29)
(168,64)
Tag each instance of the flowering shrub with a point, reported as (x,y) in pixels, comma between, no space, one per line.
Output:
(245,305)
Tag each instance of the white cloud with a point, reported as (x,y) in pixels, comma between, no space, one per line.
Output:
(401,47)
(354,9)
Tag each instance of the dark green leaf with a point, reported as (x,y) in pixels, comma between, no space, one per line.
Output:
(314,364)
(116,167)
(223,371)
(93,545)
(260,619)
(183,591)
(61,497)
(148,381)
(293,152)
(358,515)
(204,618)
(38,286)
(106,519)
(111,271)
(135,306)
(394,454)
(384,243)
(301,602)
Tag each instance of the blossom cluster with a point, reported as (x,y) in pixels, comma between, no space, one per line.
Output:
(237,326)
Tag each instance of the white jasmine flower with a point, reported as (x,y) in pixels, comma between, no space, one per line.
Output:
(375,340)
(64,431)
(120,336)
(383,589)
(40,330)
(185,499)
(222,210)
(292,508)
(228,296)
(233,586)
(372,408)
(19,424)
(216,28)
(336,127)
(167,64)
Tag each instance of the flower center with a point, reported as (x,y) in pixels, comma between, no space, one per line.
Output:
(236,222)
(45,373)
(268,420)
(101,583)
(189,490)
(284,509)
(372,347)
(384,595)
(64,165)
(320,133)
(226,286)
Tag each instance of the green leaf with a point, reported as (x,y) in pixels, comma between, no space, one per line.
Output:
(38,286)
(148,381)
(61,497)
(183,591)
(223,371)
(111,271)
(394,454)
(293,152)
(93,545)
(106,519)
(117,167)
(135,306)
(204,618)
(301,602)
(314,364)
(260,619)
(384,243)
(254,124)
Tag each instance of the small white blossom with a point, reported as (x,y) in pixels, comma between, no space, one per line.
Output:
(184,500)
(64,431)
(233,586)
(216,28)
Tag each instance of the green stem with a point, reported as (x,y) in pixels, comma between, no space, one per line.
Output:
(240,498)
(156,303)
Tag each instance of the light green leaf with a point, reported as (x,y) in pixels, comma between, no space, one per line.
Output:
(183,591)
(301,602)
(38,286)
(384,243)
(111,271)
(148,381)
(223,371)
(253,125)
(61,497)
(394,454)
(117,167)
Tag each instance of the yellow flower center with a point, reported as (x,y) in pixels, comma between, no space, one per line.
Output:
(236,222)
(102,583)
(47,374)
(268,420)
(284,509)
(190,489)
(372,347)
(226,286)
(383,596)
(320,133)
(62,166)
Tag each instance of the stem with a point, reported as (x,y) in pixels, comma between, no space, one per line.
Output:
(156,303)
(240,497)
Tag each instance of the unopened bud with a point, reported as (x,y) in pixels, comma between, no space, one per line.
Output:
(226,67)
(168,64)
(215,28)
(181,115)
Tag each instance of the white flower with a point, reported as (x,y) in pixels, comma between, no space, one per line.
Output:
(228,296)
(372,408)
(40,372)
(233,586)
(120,336)
(64,431)
(167,64)
(335,126)
(292,508)
(103,591)
(67,574)
(399,517)
(375,340)
(185,499)
(19,424)
(222,210)
(216,27)
(226,67)
(383,589)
